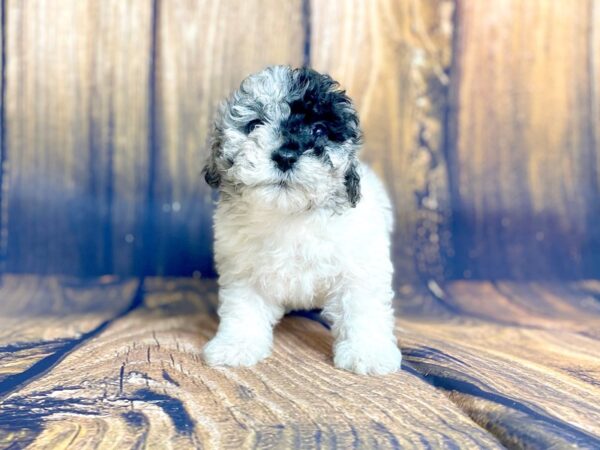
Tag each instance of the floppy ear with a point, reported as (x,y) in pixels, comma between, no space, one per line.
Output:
(211,171)
(352,183)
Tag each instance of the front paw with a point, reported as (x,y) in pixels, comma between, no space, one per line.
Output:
(234,352)
(367,356)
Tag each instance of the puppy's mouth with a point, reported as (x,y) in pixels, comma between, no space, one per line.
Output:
(280,183)
(285,179)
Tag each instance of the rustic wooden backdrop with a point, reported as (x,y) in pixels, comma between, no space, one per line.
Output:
(483,118)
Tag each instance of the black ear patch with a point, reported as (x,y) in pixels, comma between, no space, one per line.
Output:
(211,175)
(352,183)
(211,171)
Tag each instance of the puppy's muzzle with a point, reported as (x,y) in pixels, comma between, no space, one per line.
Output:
(285,158)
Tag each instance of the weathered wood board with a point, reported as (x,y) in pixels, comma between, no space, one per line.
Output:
(592,249)
(392,57)
(141,383)
(523,145)
(204,51)
(41,317)
(3,178)
(109,106)
(75,112)
(523,360)
(526,371)
(482,119)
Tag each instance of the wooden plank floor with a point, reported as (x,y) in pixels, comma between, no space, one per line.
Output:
(486,365)
(40,317)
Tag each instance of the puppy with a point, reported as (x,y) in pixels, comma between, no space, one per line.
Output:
(300,222)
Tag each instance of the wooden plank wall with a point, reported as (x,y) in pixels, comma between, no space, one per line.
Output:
(524,139)
(3,226)
(482,119)
(204,50)
(76,118)
(393,59)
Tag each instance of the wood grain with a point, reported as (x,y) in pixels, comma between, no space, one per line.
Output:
(592,248)
(205,49)
(522,359)
(76,134)
(524,367)
(392,57)
(141,383)
(41,316)
(3,178)
(523,153)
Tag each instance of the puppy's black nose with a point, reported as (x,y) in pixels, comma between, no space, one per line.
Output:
(284,158)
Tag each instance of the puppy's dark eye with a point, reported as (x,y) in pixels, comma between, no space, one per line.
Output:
(319,130)
(251,126)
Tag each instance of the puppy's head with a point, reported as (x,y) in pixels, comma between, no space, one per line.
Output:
(287,138)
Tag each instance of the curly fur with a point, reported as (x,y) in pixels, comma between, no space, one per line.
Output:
(300,223)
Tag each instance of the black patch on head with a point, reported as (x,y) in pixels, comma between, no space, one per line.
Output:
(352,183)
(320,111)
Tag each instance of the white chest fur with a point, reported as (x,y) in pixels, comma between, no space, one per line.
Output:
(292,260)
(296,259)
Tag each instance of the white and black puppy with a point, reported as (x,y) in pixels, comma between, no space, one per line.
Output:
(300,222)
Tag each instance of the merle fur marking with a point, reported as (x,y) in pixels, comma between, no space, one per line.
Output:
(313,117)
(285,222)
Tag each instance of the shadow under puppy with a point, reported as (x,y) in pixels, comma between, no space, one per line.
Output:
(300,222)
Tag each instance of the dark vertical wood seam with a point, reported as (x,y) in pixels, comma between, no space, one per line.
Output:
(91,255)
(307,30)
(430,86)
(450,148)
(3,147)
(90,264)
(107,264)
(148,247)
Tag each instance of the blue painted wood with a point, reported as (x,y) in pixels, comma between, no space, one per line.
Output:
(102,142)
(3,181)
(75,113)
